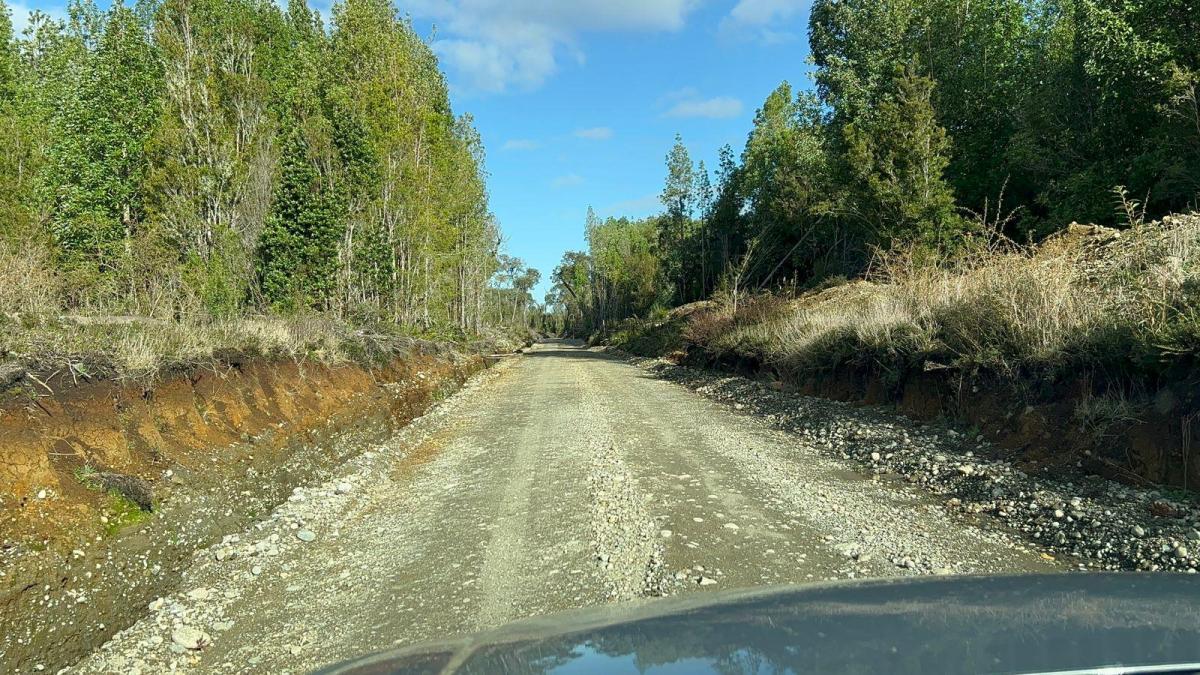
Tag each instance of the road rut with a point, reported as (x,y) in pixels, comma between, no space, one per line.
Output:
(564,478)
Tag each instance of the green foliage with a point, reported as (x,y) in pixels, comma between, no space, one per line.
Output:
(619,279)
(97,160)
(1006,121)
(897,158)
(202,160)
(297,251)
(123,514)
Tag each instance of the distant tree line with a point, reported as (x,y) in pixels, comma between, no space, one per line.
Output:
(212,157)
(933,123)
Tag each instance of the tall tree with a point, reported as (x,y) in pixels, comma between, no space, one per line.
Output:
(679,198)
(899,157)
(98,160)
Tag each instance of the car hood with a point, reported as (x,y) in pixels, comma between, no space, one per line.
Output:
(1026,624)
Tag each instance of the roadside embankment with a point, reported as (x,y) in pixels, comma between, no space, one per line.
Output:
(1080,353)
(108,487)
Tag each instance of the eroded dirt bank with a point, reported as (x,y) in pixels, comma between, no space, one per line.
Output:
(218,447)
(568,478)
(562,479)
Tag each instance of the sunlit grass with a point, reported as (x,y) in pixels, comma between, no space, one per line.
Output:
(1130,300)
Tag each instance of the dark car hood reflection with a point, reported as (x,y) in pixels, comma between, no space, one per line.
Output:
(964,625)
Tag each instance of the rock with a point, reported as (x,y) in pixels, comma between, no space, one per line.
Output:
(665,534)
(306,535)
(256,570)
(1181,552)
(1138,531)
(731,526)
(967,469)
(875,456)
(199,594)
(847,550)
(706,581)
(222,626)
(343,488)
(190,638)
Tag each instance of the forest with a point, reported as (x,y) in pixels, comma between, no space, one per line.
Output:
(934,129)
(190,163)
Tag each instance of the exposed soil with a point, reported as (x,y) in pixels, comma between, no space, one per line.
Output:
(207,450)
(567,478)
(562,479)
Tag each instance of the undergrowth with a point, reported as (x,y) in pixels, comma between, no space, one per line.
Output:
(120,511)
(123,513)
(43,330)
(1122,302)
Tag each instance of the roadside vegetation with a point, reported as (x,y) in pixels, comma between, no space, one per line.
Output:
(918,203)
(1121,302)
(183,178)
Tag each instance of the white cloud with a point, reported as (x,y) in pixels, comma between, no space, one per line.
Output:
(20,15)
(760,19)
(569,180)
(635,208)
(521,144)
(763,12)
(496,45)
(721,107)
(595,134)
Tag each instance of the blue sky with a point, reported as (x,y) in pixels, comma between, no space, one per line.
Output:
(579,101)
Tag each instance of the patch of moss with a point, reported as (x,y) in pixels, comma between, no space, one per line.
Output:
(123,513)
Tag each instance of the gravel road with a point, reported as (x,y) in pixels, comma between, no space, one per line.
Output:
(563,478)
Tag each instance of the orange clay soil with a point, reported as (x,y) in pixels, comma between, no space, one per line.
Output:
(185,421)
(220,447)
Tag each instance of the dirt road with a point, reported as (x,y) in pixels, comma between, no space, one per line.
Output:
(560,479)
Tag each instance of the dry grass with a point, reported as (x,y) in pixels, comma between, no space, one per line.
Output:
(1086,298)
(120,340)
(140,349)
(28,284)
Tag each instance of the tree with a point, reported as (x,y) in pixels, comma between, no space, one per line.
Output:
(785,178)
(297,251)
(22,135)
(98,161)
(679,198)
(899,156)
